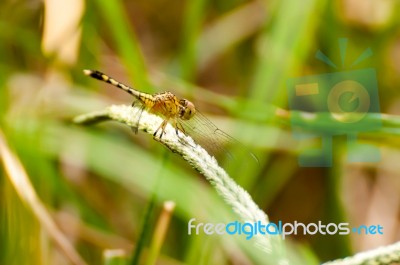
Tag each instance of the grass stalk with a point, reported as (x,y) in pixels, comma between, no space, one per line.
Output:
(234,195)
(160,232)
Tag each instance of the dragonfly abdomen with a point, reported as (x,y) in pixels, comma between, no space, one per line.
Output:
(103,77)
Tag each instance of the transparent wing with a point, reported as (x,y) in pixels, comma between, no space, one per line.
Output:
(214,140)
(141,107)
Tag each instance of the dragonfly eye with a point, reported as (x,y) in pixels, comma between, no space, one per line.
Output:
(187,110)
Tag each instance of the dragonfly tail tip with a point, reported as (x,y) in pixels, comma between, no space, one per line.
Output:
(87,72)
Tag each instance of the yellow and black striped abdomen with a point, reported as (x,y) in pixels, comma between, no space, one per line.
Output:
(103,77)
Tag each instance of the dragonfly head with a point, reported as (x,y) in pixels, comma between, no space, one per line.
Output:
(187,109)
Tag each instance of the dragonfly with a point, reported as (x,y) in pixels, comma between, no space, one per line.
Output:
(181,114)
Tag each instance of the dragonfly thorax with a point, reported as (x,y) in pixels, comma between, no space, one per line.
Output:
(187,109)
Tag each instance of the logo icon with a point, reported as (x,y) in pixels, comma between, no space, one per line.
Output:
(341,100)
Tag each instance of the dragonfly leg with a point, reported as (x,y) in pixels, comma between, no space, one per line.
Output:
(155,133)
(158,140)
(179,127)
(162,128)
(176,128)
(135,129)
(175,124)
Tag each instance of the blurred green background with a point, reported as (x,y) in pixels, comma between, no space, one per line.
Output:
(105,186)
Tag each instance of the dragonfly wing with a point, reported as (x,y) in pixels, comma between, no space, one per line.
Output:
(209,136)
(218,143)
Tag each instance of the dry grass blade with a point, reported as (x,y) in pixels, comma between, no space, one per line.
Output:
(160,231)
(22,185)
